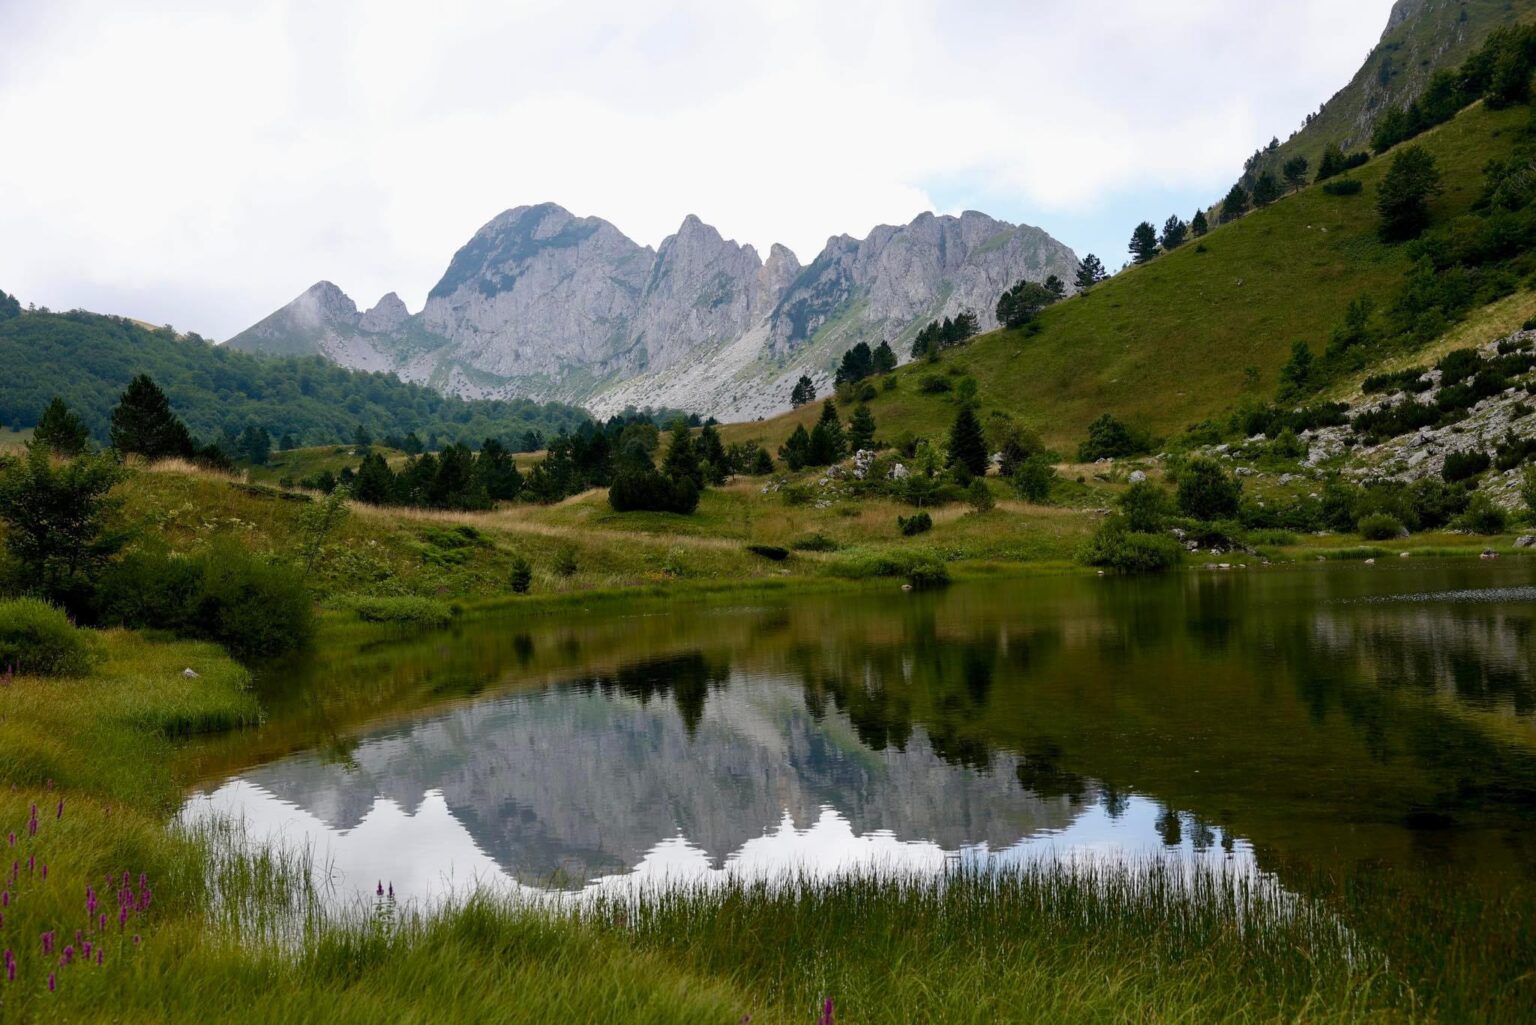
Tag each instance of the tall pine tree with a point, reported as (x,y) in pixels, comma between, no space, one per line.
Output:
(60,431)
(1235,205)
(1144,242)
(827,442)
(1090,272)
(967,443)
(861,429)
(143,424)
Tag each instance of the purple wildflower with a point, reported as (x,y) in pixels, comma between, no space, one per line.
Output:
(69,956)
(47,944)
(380,891)
(53,983)
(826,1012)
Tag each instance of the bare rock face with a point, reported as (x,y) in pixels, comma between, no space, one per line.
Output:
(388,314)
(547,305)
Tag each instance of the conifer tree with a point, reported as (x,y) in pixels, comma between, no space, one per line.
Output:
(828,444)
(884,358)
(682,461)
(1235,205)
(1089,273)
(497,471)
(967,443)
(1198,225)
(1295,171)
(804,391)
(143,424)
(861,429)
(60,431)
(375,481)
(715,465)
(1266,190)
(1175,231)
(796,452)
(1144,242)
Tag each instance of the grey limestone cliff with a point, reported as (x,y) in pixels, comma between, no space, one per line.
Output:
(543,304)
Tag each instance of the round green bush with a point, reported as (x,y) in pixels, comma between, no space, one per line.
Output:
(1126,551)
(37,639)
(1380,527)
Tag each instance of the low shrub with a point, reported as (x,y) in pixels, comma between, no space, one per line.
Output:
(917,523)
(1034,477)
(1412,379)
(1343,187)
(1115,547)
(254,608)
(37,639)
(521,577)
(404,609)
(933,384)
(1483,516)
(815,543)
(771,552)
(1380,527)
(921,570)
(980,496)
(1460,466)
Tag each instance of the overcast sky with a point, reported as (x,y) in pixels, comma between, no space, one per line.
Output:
(200,163)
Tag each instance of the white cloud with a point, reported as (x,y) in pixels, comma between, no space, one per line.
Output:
(201,163)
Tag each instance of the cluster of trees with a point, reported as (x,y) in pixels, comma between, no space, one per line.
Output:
(87,360)
(858,363)
(942,335)
(456,478)
(1147,241)
(1499,72)
(1018,306)
(690,465)
(827,442)
(1336,162)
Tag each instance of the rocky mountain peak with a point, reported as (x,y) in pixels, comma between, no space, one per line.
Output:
(542,303)
(386,315)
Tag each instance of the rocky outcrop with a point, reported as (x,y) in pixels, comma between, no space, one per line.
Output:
(547,305)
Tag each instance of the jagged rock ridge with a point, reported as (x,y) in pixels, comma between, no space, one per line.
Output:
(547,305)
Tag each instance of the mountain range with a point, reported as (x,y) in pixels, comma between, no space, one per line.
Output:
(543,304)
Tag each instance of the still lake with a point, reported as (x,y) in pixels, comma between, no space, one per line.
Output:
(1283,721)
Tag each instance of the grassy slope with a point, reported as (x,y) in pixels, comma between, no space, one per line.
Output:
(1441,35)
(1167,344)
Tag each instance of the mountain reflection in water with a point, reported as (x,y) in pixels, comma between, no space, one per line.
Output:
(1281,721)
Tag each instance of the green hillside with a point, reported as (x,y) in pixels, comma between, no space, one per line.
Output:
(1196,332)
(1426,35)
(88,359)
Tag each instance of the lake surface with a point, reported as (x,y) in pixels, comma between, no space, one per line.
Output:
(1281,721)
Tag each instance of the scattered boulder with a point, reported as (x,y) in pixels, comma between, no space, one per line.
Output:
(1526,541)
(1137,477)
(191,673)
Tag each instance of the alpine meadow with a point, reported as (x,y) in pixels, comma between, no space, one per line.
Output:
(956,627)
